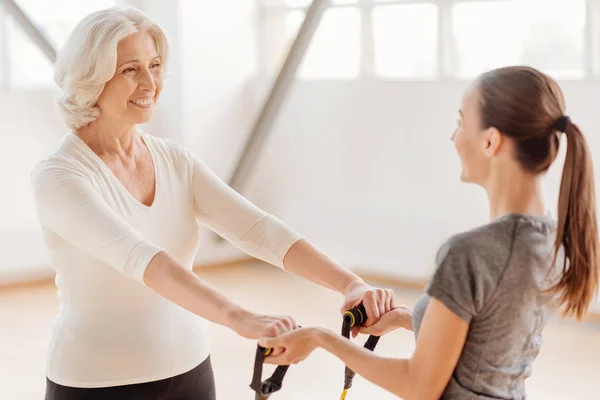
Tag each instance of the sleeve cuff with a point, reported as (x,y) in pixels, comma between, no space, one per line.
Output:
(449,302)
(139,258)
(269,240)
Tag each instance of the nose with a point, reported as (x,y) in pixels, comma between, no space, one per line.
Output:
(147,81)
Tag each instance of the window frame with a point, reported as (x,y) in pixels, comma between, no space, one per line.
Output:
(7,83)
(447,58)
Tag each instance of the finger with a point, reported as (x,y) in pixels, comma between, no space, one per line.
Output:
(270,342)
(276,351)
(394,304)
(382,300)
(372,309)
(354,331)
(391,301)
(292,323)
(282,326)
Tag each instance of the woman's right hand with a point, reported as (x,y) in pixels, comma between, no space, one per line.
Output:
(254,326)
(399,317)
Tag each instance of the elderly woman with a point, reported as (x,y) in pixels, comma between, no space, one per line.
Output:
(119,211)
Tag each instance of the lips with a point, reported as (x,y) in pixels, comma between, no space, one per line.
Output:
(145,103)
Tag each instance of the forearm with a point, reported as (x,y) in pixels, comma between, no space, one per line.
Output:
(307,261)
(391,374)
(183,287)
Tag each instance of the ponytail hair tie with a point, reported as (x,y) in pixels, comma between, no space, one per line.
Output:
(561,123)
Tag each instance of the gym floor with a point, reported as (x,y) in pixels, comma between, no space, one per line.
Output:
(567,367)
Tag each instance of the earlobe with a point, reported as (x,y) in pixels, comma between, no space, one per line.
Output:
(488,149)
(494,140)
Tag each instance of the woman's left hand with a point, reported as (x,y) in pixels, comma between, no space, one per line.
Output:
(377,302)
(297,345)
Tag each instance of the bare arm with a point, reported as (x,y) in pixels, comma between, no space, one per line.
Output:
(260,234)
(305,260)
(183,287)
(424,376)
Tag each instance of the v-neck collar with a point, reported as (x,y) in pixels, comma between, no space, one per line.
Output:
(112,175)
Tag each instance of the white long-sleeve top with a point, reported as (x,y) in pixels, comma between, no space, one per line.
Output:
(111,328)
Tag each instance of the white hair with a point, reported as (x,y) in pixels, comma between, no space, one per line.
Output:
(88,59)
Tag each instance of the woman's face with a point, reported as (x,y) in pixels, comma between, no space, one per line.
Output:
(471,141)
(130,95)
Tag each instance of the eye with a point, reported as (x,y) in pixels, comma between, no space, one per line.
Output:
(155,66)
(458,121)
(128,70)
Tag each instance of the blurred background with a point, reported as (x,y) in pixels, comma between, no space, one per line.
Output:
(358,156)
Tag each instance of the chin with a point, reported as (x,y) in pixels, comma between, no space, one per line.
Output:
(464,177)
(142,119)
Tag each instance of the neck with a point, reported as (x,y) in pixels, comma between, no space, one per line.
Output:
(512,191)
(109,139)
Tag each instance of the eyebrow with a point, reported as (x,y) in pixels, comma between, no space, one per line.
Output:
(133,61)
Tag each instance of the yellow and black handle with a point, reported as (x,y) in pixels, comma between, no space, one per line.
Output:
(355,317)
(269,386)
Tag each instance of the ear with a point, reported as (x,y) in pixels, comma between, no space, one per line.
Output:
(493,141)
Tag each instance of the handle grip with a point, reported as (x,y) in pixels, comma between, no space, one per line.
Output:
(356,316)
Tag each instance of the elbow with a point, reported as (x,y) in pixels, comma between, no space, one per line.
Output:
(425,394)
(420,392)
(158,270)
(423,387)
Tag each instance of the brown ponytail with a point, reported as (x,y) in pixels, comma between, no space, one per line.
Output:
(528,106)
(577,229)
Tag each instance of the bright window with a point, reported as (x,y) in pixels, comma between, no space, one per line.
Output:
(405,40)
(28,67)
(334,51)
(430,39)
(545,34)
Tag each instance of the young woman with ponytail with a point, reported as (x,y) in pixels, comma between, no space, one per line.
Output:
(479,324)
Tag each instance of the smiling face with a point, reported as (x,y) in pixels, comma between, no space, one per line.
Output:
(131,94)
(475,145)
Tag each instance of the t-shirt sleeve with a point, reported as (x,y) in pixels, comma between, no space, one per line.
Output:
(67,204)
(456,281)
(232,216)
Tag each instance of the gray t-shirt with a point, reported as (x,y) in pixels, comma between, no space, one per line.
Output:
(493,277)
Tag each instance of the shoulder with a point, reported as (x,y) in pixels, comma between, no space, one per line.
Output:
(64,160)
(483,244)
(469,266)
(167,146)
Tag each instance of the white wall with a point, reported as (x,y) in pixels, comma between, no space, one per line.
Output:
(29,123)
(368,172)
(218,66)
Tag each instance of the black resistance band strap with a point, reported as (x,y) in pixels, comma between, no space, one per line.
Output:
(355,317)
(265,388)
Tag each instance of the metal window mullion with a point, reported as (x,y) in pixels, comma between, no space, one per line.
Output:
(592,39)
(30,29)
(263,46)
(446,44)
(4,52)
(367,40)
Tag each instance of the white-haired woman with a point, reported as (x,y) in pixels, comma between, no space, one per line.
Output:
(119,211)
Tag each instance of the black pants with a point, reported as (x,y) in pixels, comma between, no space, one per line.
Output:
(197,384)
